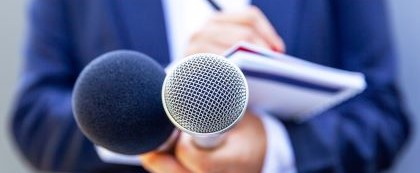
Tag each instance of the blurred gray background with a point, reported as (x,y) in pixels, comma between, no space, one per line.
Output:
(405,18)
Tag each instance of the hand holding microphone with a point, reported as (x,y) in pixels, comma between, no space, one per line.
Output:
(242,151)
(205,96)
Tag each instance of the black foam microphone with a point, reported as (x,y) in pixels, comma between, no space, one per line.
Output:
(117,103)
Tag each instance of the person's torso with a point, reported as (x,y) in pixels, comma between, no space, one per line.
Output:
(99,26)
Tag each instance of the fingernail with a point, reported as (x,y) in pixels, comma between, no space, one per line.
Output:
(276,49)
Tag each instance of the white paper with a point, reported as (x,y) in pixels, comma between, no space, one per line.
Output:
(291,88)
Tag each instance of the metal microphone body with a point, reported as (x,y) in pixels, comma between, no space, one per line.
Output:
(205,95)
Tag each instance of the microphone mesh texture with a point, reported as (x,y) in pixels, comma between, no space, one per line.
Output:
(205,94)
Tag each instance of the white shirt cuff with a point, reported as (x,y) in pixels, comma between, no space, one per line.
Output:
(116,158)
(279,155)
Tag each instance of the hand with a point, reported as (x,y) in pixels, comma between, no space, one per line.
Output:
(243,150)
(162,162)
(226,29)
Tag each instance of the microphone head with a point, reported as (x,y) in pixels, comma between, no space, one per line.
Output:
(205,94)
(117,103)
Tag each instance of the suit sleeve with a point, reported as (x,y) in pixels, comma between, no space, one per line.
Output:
(42,122)
(366,133)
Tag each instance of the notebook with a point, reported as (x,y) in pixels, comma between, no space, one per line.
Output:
(292,88)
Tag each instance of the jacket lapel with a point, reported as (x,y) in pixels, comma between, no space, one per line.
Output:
(143,27)
(283,15)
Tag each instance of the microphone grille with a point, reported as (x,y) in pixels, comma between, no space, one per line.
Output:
(205,94)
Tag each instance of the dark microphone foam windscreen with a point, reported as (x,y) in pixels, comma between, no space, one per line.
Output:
(117,103)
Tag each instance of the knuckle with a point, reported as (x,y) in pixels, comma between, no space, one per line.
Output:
(249,19)
(252,13)
(150,160)
(255,10)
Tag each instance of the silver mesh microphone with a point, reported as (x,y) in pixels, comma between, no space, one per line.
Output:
(205,95)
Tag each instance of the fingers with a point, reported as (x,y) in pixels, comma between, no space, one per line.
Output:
(217,37)
(186,153)
(266,30)
(157,162)
(236,34)
(255,19)
(196,159)
(226,29)
(243,150)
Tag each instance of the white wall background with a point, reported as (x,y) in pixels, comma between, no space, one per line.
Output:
(406,24)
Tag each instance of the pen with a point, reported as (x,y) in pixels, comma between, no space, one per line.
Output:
(214,5)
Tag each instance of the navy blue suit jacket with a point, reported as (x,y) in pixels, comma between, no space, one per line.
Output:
(362,135)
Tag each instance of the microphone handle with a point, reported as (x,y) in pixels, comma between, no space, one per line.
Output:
(208,142)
